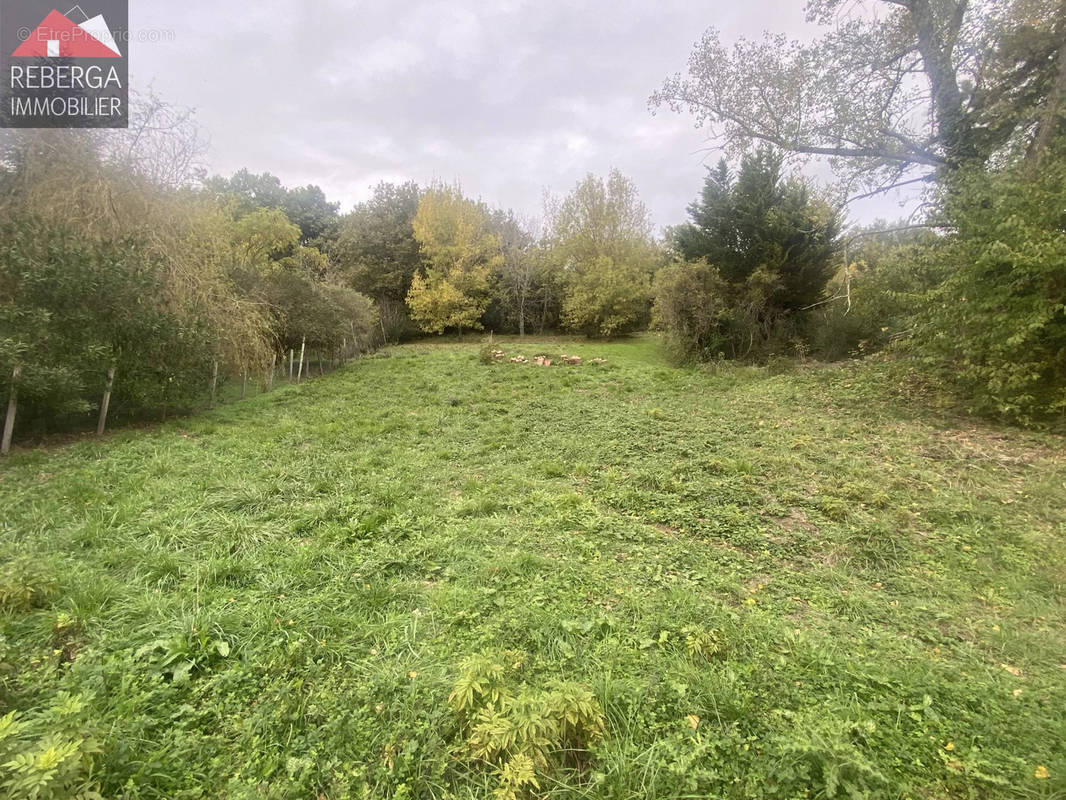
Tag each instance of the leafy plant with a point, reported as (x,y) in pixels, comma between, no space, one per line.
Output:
(182,656)
(995,329)
(827,754)
(26,584)
(49,756)
(526,732)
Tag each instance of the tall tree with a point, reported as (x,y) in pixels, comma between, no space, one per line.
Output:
(521,268)
(305,206)
(462,254)
(892,97)
(601,237)
(377,253)
(762,220)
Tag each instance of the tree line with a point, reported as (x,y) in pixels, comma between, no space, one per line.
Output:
(964,100)
(130,281)
(123,267)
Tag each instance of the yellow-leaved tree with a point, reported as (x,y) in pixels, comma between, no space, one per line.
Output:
(601,237)
(461,254)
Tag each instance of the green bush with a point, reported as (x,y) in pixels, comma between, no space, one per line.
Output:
(706,318)
(71,307)
(876,304)
(995,329)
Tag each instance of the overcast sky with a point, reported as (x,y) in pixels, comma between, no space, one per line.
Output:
(510,97)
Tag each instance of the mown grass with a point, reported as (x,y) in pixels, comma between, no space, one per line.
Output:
(783,585)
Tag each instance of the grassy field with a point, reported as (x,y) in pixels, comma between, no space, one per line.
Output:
(426,576)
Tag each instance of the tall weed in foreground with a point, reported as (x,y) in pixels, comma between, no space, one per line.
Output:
(49,756)
(523,733)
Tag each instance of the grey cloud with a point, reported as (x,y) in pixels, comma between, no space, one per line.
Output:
(509,97)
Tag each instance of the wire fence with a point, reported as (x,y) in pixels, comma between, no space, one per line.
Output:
(290,367)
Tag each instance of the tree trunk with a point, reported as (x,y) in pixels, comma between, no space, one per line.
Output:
(105,406)
(214,385)
(12,408)
(937,50)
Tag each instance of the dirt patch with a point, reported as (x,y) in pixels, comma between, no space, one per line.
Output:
(796,520)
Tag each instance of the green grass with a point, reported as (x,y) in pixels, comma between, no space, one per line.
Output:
(786,585)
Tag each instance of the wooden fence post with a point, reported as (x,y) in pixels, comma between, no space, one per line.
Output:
(12,407)
(214,384)
(292,364)
(273,369)
(105,406)
(303,349)
(244,386)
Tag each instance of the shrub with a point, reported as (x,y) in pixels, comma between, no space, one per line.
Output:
(876,304)
(995,329)
(74,306)
(705,317)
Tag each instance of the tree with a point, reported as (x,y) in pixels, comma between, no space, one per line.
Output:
(762,220)
(77,184)
(760,250)
(265,234)
(377,253)
(461,253)
(995,327)
(520,270)
(305,206)
(916,90)
(601,237)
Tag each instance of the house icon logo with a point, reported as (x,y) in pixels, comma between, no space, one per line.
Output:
(64,70)
(58,36)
